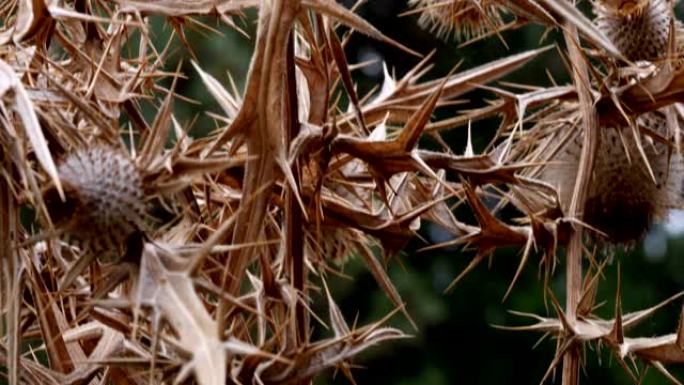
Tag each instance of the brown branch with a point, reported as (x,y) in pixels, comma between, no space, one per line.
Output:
(580,76)
(261,116)
(294,233)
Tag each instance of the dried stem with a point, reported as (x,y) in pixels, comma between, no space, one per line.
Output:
(264,135)
(11,277)
(580,76)
(294,233)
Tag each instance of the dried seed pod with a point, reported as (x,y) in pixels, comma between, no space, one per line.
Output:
(104,200)
(623,200)
(639,29)
(465,18)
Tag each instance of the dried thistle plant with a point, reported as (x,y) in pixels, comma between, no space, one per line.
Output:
(637,174)
(640,29)
(262,209)
(466,19)
(615,167)
(103,203)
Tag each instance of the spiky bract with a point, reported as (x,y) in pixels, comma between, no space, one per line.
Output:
(104,199)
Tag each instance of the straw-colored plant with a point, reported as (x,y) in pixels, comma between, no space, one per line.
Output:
(260,211)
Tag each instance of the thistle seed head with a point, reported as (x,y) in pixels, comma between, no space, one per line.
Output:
(639,29)
(627,193)
(465,18)
(623,199)
(625,8)
(104,200)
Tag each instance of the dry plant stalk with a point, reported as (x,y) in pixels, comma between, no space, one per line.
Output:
(266,207)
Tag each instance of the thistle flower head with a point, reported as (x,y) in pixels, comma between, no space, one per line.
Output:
(104,199)
(623,198)
(639,29)
(465,18)
(624,8)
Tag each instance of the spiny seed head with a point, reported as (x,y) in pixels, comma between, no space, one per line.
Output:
(627,193)
(625,8)
(623,199)
(639,29)
(465,18)
(104,200)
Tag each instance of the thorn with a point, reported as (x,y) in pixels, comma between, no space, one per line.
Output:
(617,333)
(469,146)
(661,368)
(567,328)
(473,263)
(521,265)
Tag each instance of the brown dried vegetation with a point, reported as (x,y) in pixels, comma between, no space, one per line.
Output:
(267,206)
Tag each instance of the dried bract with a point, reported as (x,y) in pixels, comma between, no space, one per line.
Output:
(104,202)
(639,29)
(466,19)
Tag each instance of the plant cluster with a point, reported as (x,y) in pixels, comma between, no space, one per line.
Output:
(156,257)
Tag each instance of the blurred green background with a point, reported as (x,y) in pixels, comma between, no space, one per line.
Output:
(455,343)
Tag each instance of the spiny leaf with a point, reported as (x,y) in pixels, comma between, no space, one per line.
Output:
(24,107)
